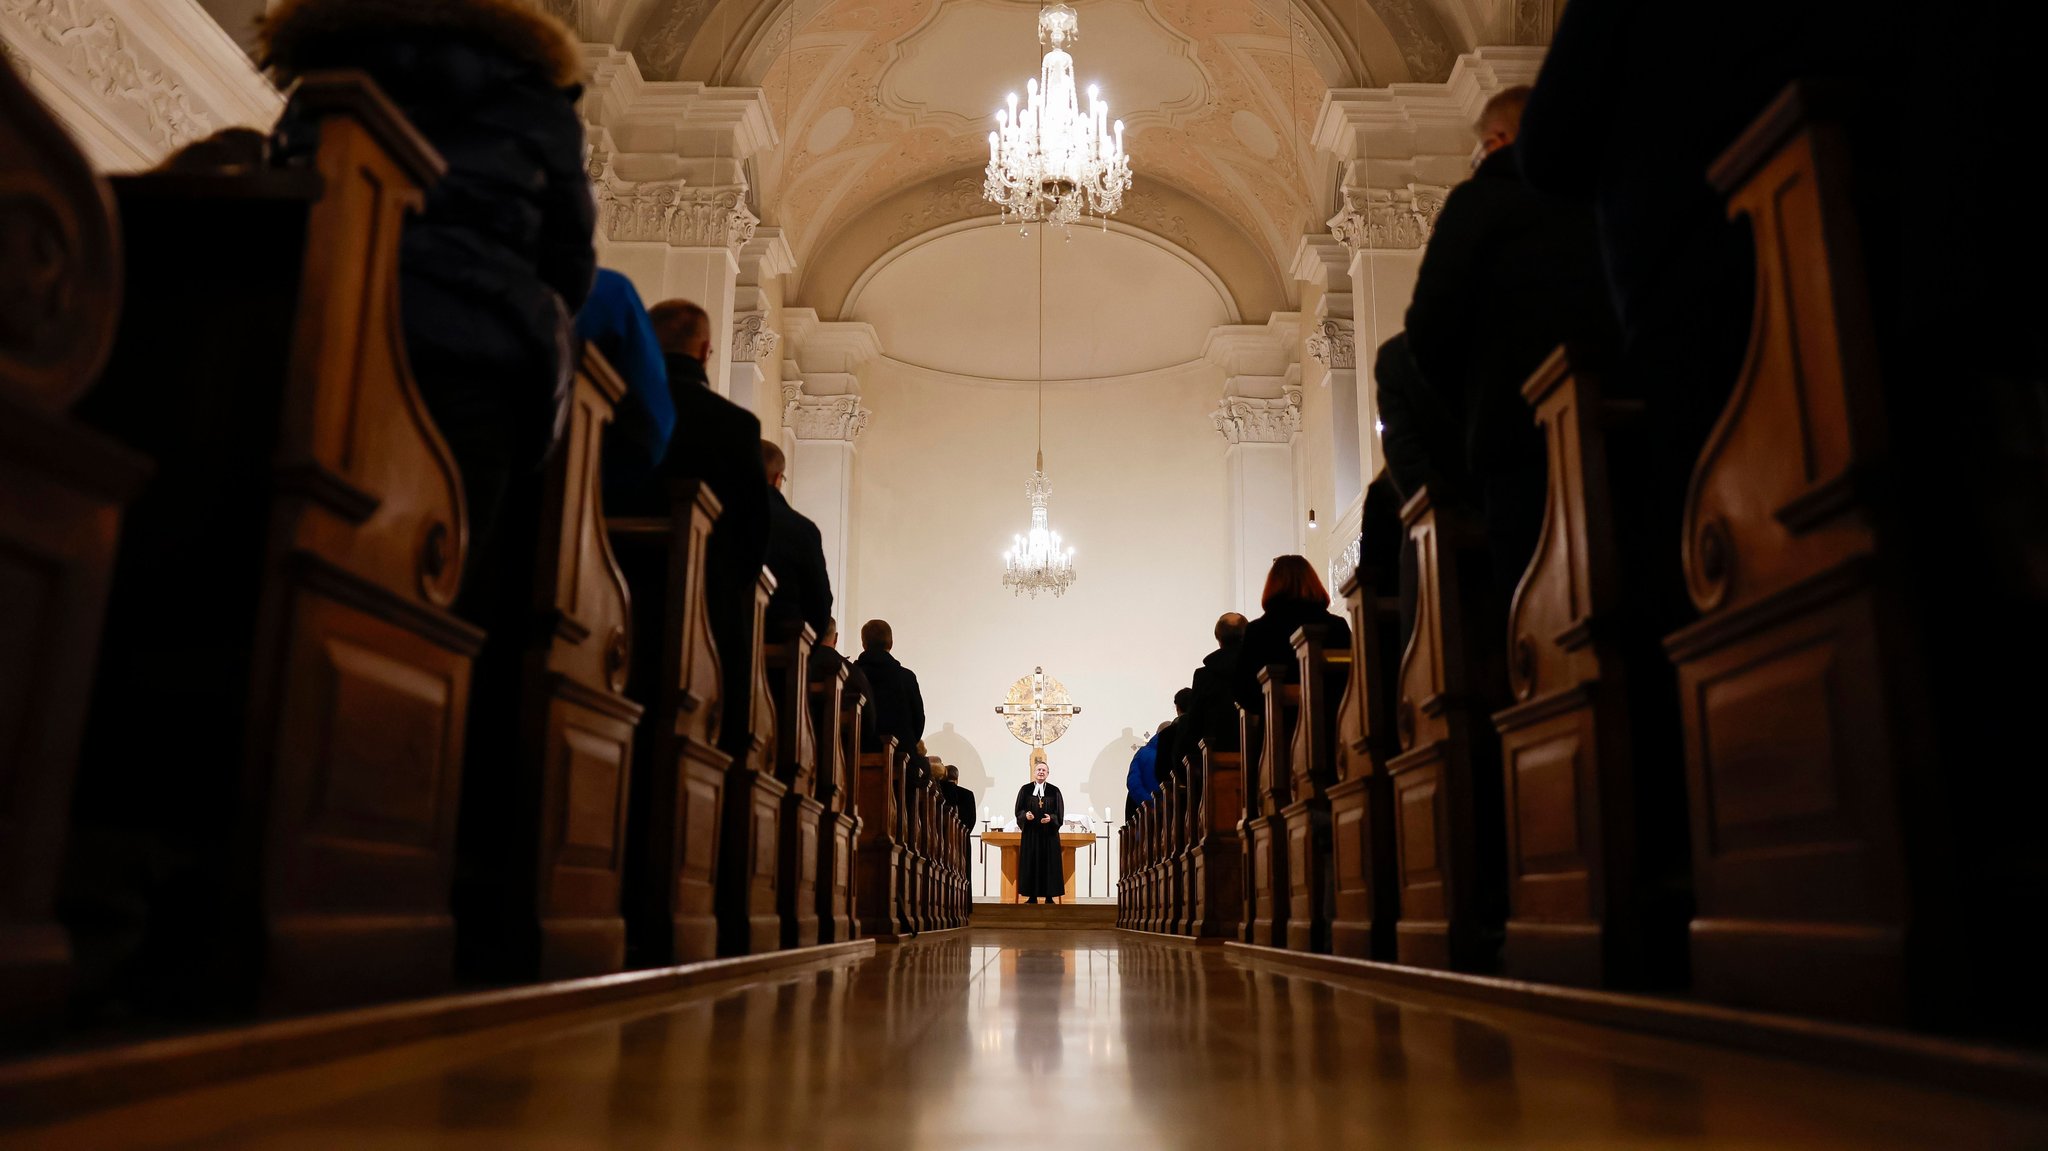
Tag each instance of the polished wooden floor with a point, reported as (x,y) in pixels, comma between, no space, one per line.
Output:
(1054,1039)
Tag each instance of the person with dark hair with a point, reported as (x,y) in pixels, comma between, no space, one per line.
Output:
(961,799)
(1209,714)
(899,703)
(501,257)
(718,442)
(796,557)
(1510,274)
(614,321)
(826,657)
(1294,598)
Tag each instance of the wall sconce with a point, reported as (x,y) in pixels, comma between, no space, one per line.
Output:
(1311,519)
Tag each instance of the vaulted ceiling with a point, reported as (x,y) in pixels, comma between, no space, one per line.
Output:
(875,98)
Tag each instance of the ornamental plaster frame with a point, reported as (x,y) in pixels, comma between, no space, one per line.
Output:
(851,306)
(912,115)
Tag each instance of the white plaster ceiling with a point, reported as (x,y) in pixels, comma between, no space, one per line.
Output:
(871,97)
(965,302)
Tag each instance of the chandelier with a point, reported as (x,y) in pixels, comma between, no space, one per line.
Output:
(1048,160)
(1038,562)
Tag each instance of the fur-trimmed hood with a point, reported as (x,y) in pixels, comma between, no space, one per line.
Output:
(297,35)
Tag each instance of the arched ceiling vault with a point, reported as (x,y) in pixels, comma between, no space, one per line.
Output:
(877,102)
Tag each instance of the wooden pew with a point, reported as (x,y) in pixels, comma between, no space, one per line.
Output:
(908,875)
(1594,788)
(1324,676)
(676,798)
(1172,821)
(1218,856)
(1269,876)
(1819,786)
(1446,781)
(879,897)
(796,762)
(62,490)
(542,841)
(1251,738)
(1364,877)
(835,720)
(280,609)
(749,917)
(1155,824)
(1190,837)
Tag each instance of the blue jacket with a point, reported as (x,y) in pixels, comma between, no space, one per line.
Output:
(614,321)
(1144,776)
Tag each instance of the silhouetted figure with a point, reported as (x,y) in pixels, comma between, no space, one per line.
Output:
(501,258)
(961,798)
(796,556)
(825,657)
(718,442)
(1294,598)
(1510,273)
(1209,714)
(899,705)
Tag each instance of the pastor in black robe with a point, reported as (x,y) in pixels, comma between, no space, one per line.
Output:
(1039,875)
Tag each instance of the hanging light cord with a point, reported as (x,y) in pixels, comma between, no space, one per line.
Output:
(1041,347)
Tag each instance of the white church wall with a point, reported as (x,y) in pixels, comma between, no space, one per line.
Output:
(1138,489)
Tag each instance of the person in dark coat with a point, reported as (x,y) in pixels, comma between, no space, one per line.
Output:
(614,321)
(1169,766)
(899,705)
(493,269)
(1510,273)
(1210,714)
(1420,427)
(719,442)
(796,556)
(1040,813)
(826,657)
(960,797)
(1294,598)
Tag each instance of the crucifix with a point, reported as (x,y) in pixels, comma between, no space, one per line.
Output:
(1038,709)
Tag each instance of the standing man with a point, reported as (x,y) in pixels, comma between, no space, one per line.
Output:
(1510,273)
(961,798)
(1040,813)
(719,442)
(796,557)
(899,705)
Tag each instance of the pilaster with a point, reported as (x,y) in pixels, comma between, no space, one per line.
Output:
(1259,417)
(821,425)
(667,160)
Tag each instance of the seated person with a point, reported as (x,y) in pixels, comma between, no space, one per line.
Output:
(1294,598)
(1209,714)
(501,258)
(796,557)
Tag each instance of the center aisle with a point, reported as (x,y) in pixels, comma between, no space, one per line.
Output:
(1061,1039)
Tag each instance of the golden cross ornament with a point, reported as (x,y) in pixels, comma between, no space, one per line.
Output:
(1038,709)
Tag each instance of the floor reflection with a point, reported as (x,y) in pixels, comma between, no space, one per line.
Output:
(1073,1039)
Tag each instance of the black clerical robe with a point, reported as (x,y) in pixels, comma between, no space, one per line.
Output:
(1038,858)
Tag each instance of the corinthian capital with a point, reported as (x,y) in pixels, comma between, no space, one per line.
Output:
(1388,218)
(667,211)
(1256,420)
(753,340)
(822,417)
(1332,345)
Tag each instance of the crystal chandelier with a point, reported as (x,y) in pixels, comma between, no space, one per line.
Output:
(1048,160)
(1038,562)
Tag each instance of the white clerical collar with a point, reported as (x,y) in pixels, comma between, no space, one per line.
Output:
(1038,787)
